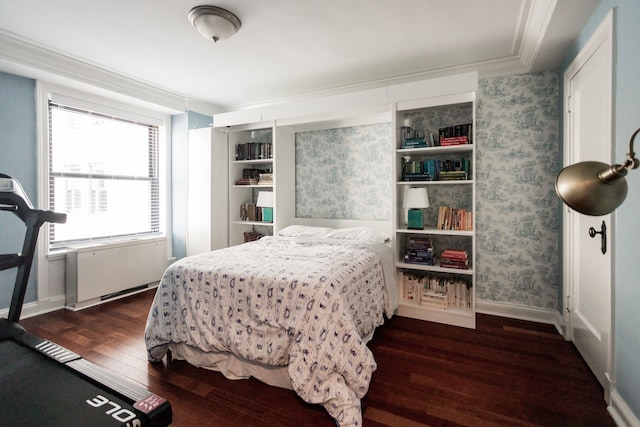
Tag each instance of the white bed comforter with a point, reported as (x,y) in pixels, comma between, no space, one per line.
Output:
(304,303)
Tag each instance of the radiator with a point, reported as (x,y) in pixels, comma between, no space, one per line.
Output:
(100,272)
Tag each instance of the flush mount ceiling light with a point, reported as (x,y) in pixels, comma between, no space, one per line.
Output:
(595,188)
(214,23)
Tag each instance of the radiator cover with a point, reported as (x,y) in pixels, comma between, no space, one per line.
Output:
(96,273)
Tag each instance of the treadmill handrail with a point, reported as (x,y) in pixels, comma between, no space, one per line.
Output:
(14,199)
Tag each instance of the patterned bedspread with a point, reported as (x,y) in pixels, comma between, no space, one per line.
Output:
(304,303)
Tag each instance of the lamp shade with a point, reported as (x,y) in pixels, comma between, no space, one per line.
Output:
(595,188)
(265,199)
(592,188)
(416,198)
(214,23)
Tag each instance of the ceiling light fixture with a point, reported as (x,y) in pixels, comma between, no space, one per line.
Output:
(595,188)
(214,23)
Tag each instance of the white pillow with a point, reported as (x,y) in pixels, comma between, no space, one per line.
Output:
(365,234)
(304,231)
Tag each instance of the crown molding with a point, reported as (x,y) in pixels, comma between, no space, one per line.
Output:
(34,61)
(46,64)
(487,69)
(538,20)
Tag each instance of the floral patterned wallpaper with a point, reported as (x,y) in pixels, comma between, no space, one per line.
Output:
(517,125)
(346,173)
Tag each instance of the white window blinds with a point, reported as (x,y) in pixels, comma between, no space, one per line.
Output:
(103,173)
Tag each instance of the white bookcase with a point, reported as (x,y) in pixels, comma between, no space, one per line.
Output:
(280,164)
(455,306)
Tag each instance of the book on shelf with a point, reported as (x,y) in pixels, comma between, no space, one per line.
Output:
(254,151)
(411,287)
(414,143)
(250,236)
(436,170)
(436,292)
(453,218)
(247,181)
(249,212)
(455,258)
(434,299)
(453,175)
(456,135)
(419,250)
(265,179)
(416,138)
(455,140)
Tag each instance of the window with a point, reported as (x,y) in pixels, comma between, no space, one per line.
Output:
(103,173)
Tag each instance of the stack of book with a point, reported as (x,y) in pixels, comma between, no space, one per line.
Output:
(250,236)
(456,135)
(455,258)
(250,176)
(419,250)
(414,138)
(265,179)
(453,175)
(247,181)
(414,143)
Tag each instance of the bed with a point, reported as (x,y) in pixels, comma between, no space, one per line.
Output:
(294,310)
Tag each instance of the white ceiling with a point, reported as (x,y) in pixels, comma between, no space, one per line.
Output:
(286,49)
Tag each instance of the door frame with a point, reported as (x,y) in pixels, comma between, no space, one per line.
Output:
(603,34)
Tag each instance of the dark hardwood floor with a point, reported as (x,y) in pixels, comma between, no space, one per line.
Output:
(504,373)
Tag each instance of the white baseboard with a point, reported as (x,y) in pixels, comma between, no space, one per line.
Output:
(31,309)
(621,413)
(521,312)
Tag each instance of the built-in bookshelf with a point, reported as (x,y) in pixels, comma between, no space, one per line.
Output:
(260,158)
(434,144)
(251,166)
(435,149)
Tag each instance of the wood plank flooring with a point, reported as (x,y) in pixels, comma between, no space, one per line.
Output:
(504,373)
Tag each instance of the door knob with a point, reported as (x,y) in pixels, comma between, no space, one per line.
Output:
(603,236)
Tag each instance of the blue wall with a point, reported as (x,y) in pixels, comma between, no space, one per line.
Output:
(626,267)
(18,148)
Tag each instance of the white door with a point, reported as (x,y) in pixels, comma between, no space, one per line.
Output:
(587,271)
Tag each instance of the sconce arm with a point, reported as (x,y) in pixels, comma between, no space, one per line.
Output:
(632,162)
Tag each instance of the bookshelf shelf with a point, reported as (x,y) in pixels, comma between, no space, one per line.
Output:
(254,223)
(456,182)
(434,268)
(432,292)
(252,162)
(452,149)
(435,231)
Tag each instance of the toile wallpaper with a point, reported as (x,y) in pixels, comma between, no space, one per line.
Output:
(346,173)
(517,125)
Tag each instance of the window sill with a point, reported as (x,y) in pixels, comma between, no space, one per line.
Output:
(61,253)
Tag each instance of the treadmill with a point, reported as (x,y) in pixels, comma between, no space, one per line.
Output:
(45,384)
